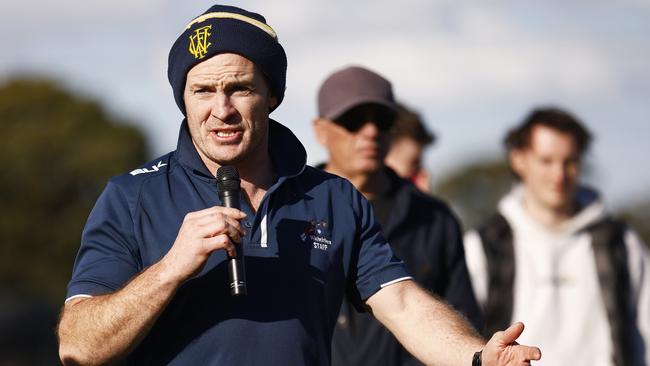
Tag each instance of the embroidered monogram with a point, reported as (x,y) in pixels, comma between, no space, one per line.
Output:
(199,41)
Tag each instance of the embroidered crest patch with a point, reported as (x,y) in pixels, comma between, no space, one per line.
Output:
(199,41)
(318,233)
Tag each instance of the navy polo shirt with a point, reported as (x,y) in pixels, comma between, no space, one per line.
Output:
(313,238)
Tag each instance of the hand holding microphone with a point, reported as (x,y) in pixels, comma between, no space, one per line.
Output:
(228,187)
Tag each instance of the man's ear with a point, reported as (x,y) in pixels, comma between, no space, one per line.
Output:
(320,131)
(517,160)
(273,101)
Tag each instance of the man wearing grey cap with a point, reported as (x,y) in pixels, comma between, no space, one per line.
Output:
(356,109)
(150,281)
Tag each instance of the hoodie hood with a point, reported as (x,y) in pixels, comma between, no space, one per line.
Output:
(591,209)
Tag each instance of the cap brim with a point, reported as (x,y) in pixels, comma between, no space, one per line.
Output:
(354,102)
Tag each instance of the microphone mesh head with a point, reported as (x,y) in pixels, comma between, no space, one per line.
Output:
(227,179)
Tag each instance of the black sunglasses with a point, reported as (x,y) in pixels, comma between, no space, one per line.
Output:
(355,118)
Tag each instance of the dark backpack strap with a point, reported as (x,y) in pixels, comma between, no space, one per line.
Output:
(496,236)
(610,254)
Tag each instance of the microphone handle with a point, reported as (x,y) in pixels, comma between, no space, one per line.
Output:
(236,274)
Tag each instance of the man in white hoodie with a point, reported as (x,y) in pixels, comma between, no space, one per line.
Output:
(555,259)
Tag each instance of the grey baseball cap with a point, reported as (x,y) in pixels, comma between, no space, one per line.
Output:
(351,87)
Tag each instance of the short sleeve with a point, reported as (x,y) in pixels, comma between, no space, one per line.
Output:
(108,256)
(376,265)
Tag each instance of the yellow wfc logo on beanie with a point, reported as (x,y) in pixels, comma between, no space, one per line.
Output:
(199,42)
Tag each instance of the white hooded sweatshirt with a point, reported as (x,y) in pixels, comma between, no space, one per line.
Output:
(556,290)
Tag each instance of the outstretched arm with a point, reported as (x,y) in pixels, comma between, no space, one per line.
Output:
(103,329)
(438,335)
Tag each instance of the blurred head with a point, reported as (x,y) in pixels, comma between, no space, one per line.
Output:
(545,153)
(356,110)
(228,29)
(408,139)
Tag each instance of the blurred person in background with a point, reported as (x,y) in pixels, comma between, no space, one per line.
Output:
(408,139)
(554,257)
(356,111)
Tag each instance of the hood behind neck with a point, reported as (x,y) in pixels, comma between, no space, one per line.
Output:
(591,209)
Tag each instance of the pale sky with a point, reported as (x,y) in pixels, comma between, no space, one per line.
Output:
(472,68)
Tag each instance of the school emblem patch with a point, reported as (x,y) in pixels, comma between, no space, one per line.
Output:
(199,41)
(318,234)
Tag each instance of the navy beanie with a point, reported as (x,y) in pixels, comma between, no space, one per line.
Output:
(227,29)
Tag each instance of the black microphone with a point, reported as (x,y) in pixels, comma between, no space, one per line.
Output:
(228,187)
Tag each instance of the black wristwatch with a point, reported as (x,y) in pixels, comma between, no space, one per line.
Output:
(476,361)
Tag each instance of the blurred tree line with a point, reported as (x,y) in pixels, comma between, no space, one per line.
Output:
(59,150)
(474,191)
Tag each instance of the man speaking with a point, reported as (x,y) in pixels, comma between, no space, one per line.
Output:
(150,282)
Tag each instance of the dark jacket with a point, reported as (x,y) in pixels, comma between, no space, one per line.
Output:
(425,234)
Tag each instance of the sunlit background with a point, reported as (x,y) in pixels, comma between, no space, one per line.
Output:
(472,69)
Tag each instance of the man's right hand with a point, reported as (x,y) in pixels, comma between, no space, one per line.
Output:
(105,328)
(201,233)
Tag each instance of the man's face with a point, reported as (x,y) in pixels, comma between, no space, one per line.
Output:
(357,141)
(227,101)
(405,157)
(549,168)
